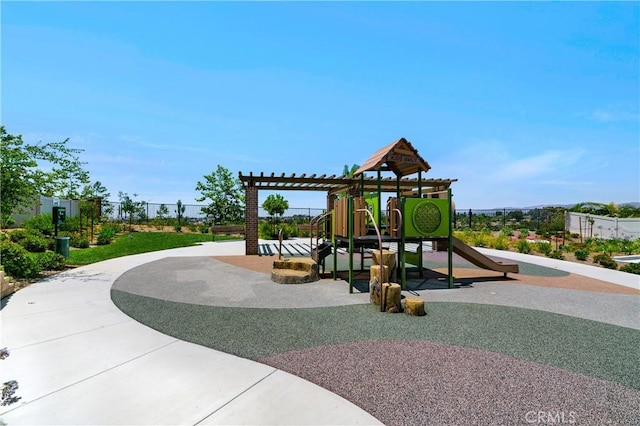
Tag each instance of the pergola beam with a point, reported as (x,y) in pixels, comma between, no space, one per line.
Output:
(332,185)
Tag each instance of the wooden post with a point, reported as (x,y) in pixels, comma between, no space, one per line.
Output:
(391,297)
(376,273)
(414,306)
(388,259)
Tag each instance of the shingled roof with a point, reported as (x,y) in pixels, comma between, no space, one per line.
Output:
(399,157)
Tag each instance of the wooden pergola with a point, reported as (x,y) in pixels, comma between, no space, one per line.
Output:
(331,185)
(335,184)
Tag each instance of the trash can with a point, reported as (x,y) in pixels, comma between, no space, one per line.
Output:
(62,246)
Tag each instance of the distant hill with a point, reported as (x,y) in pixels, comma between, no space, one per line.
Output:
(541,206)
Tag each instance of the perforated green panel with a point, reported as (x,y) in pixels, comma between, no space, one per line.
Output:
(426,217)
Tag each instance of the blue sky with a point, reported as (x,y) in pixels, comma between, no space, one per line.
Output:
(523,103)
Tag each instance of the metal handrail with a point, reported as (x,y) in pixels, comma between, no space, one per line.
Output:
(320,216)
(316,221)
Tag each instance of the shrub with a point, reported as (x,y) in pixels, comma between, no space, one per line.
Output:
(464,236)
(71,224)
(106,234)
(178,228)
(480,239)
(556,254)
(632,268)
(18,235)
(79,241)
(115,226)
(506,231)
(500,243)
(581,254)
(264,230)
(543,247)
(17,261)
(605,260)
(6,222)
(50,261)
(42,223)
(292,230)
(523,247)
(34,243)
(204,229)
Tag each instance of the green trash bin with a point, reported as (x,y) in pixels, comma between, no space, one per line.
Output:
(62,246)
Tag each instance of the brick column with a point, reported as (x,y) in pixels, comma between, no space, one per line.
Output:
(251,220)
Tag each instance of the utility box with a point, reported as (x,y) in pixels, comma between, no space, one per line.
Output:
(59,215)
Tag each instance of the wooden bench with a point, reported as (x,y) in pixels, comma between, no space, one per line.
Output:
(307,227)
(227,230)
(304,227)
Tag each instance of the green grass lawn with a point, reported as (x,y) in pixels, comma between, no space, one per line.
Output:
(135,243)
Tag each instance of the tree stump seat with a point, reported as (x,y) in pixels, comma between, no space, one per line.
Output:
(414,306)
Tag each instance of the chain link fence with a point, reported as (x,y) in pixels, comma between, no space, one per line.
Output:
(585,225)
(193,212)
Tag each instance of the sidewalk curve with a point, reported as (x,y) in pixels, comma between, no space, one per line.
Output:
(80,360)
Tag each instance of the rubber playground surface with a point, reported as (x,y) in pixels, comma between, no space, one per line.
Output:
(539,345)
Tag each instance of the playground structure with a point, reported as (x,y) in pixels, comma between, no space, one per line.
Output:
(417,211)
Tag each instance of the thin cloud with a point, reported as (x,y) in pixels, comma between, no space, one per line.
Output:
(122,159)
(537,165)
(180,147)
(612,115)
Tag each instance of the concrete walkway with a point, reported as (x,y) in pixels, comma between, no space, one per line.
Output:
(80,360)
(603,274)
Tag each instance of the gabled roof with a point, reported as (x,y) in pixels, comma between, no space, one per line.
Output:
(399,157)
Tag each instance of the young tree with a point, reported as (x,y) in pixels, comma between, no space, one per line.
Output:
(23,177)
(130,207)
(180,208)
(275,204)
(226,195)
(516,215)
(162,213)
(90,203)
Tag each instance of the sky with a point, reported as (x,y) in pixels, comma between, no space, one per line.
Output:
(524,103)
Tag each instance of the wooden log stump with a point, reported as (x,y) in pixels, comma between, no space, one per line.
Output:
(374,291)
(375,272)
(388,259)
(414,306)
(392,297)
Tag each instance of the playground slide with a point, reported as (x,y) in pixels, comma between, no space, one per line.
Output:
(480,259)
